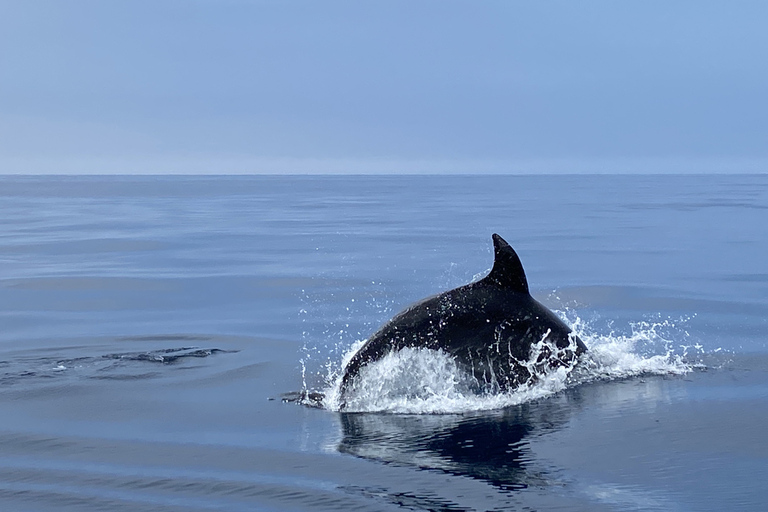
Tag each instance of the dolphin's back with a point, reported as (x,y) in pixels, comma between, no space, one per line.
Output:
(464,322)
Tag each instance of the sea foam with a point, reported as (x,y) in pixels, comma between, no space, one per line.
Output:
(424,381)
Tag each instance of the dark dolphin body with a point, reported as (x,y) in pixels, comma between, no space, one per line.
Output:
(488,326)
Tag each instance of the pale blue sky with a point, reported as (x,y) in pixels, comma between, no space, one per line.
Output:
(112,86)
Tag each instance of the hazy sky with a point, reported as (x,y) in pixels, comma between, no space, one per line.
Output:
(391,86)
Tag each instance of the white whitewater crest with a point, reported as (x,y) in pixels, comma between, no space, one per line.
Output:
(423,381)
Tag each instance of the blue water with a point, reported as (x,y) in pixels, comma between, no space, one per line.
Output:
(149,327)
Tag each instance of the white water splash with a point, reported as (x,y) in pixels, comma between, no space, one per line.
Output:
(423,381)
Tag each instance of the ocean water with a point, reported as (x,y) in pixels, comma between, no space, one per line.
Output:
(154,330)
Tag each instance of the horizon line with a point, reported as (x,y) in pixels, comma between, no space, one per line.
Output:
(239,165)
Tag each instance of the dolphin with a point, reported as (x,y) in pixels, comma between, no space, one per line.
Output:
(493,329)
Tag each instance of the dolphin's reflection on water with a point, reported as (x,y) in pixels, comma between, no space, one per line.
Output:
(491,446)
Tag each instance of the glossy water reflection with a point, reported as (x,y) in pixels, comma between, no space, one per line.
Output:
(491,446)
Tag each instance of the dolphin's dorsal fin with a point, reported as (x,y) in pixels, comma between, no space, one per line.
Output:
(507,270)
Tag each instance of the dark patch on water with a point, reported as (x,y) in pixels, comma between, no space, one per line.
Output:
(166,356)
(126,377)
(107,366)
(166,337)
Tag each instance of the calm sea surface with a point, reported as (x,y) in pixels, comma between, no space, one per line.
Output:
(150,327)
